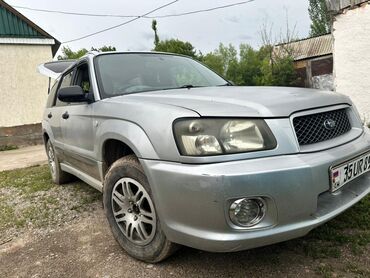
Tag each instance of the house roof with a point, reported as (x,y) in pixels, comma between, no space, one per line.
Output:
(337,6)
(15,25)
(306,48)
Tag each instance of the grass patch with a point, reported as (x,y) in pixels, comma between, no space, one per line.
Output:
(350,229)
(28,180)
(28,197)
(325,270)
(6,215)
(7,148)
(355,269)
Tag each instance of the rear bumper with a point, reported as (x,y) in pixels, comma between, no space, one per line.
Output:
(193,200)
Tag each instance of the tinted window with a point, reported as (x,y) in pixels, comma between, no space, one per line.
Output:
(128,73)
(82,78)
(66,81)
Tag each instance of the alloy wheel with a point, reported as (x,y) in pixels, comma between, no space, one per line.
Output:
(51,160)
(133,211)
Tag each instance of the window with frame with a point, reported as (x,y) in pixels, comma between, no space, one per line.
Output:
(82,78)
(66,81)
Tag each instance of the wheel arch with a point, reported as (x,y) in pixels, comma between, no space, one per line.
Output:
(127,137)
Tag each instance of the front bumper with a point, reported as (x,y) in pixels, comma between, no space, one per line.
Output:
(193,200)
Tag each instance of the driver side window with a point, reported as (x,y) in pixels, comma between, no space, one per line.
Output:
(66,81)
(82,78)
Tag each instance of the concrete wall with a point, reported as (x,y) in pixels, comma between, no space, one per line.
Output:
(351,32)
(23,91)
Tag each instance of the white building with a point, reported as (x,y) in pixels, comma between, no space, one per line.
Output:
(23,92)
(351,51)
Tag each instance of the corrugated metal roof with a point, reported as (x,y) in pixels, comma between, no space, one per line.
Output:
(336,6)
(13,24)
(306,48)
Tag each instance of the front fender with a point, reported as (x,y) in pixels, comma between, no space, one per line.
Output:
(128,133)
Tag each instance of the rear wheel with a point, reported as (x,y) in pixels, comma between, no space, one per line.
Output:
(57,174)
(131,213)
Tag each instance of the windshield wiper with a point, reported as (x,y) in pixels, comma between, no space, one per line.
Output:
(188,86)
(227,84)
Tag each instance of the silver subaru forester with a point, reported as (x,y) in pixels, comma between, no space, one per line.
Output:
(185,158)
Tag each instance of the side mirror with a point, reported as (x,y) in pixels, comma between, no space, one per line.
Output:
(72,94)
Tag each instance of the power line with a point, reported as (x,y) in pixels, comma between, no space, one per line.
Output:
(203,10)
(73,13)
(135,16)
(121,24)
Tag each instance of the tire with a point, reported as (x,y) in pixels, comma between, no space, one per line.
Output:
(130,210)
(57,174)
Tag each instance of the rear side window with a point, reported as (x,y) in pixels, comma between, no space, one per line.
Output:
(51,98)
(66,81)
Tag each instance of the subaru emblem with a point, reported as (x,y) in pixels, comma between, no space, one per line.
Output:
(329,124)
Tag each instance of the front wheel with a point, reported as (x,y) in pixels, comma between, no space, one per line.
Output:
(131,213)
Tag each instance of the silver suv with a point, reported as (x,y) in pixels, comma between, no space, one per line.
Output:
(185,158)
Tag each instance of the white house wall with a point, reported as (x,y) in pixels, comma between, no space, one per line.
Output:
(23,91)
(351,53)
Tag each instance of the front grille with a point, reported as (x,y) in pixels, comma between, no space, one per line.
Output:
(320,127)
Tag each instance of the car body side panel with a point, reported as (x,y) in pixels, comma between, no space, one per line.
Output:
(134,123)
(126,132)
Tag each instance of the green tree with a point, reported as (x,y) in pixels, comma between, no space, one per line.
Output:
(224,61)
(245,66)
(214,61)
(172,45)
(250,65)
(68,53)
(176,46)
(320,18)
(105,48)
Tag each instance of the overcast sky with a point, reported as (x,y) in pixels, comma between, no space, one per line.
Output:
(240,24)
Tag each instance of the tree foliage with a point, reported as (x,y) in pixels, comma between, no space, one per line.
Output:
(68,53)
(320,18)
(243,66)
(250,67)
(176,46)
(172,45)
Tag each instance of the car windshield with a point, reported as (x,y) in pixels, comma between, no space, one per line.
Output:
(128,73)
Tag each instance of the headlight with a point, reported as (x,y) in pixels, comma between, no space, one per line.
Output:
(202,137)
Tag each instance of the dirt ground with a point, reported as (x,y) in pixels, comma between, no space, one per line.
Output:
(86,248)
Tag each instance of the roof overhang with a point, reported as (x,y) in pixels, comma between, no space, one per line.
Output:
(338,6)
(27,41)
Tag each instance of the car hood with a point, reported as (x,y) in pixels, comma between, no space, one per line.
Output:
(237,101)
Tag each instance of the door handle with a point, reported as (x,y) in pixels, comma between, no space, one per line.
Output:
(65,115)
(50,115)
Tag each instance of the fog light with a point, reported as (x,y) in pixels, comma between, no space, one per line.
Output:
(247,212)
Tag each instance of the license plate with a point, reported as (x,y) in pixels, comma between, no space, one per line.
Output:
(349,170)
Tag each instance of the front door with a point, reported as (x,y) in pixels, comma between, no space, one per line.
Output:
(77,127)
